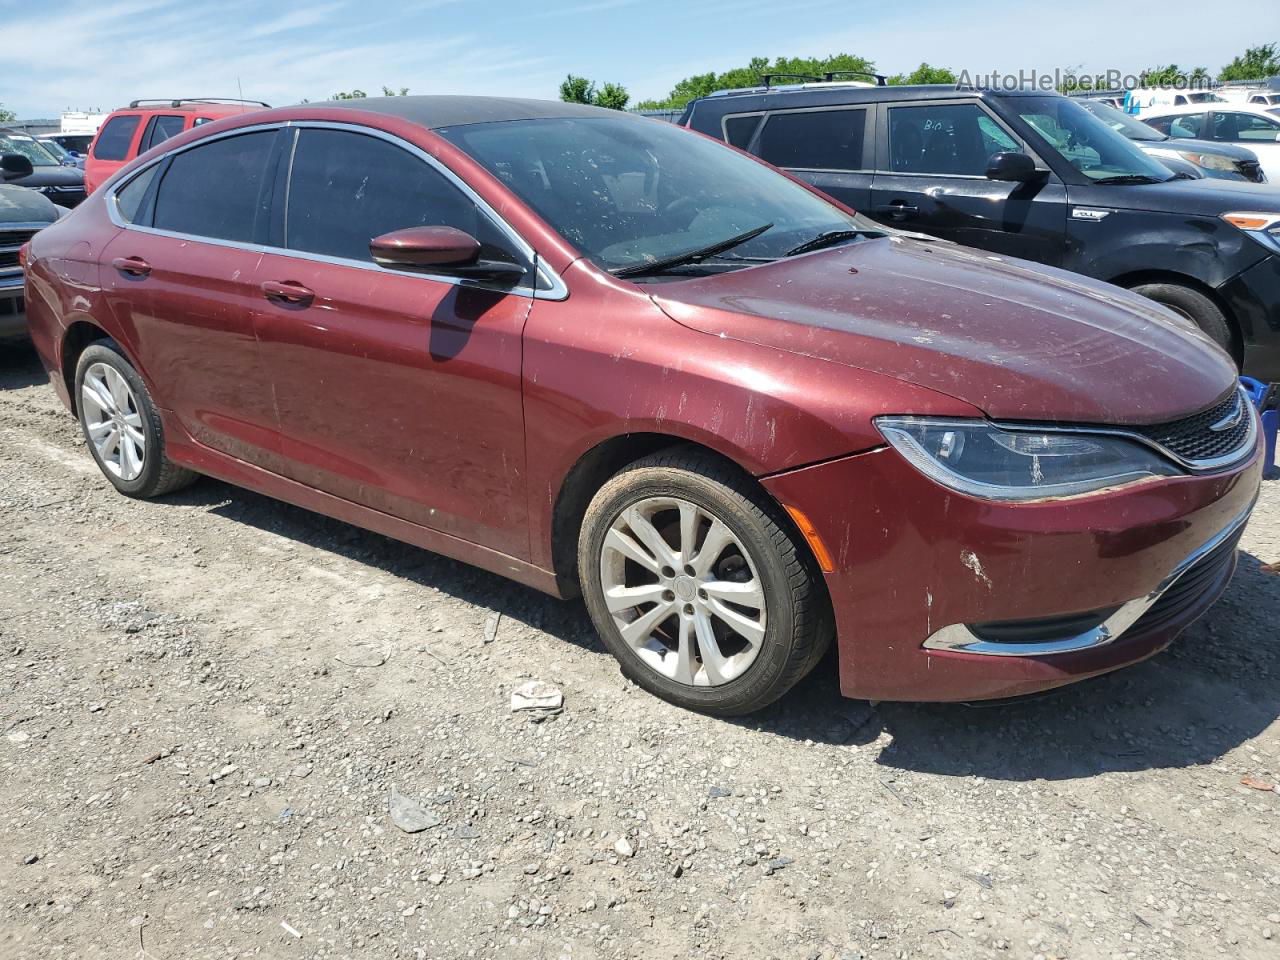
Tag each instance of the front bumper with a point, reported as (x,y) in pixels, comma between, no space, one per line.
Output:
(1253,297)
(13,314)
(921,572)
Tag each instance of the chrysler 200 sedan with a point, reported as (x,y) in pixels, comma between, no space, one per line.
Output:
(601,354)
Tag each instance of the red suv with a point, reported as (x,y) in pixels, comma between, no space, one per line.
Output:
(599,353)
(126,134)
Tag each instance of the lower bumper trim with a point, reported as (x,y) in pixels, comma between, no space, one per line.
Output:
(1198,567)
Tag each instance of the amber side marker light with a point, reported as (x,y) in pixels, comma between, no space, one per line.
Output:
(820,552)
(1249,221)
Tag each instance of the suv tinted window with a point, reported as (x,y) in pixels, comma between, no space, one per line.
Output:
(216,189)
(113,141)
(956,138)
(347,188)
(738,131)
(160,129)
(814,139)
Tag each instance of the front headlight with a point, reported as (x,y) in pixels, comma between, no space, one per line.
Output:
(978,458)
(1263,227)
(1210,161)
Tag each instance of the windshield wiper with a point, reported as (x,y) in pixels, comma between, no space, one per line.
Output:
(1131,178)
(830,239)
(693,256)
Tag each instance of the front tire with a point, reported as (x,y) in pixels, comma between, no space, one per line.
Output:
(122,426)
(698,586)
(1194,306)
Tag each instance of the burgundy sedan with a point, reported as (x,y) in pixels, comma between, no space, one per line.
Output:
(601,354)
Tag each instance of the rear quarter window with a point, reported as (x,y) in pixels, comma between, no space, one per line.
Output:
(814,139)
(116,137)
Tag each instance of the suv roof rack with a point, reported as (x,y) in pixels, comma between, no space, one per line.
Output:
(164,101)
(807,81)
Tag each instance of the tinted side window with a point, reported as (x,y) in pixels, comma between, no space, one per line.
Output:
(129,199)
(738,131)
(217,189)
(1244,127)
(113,141)
(815,139)
(347,188)
(160,129)
(955,139)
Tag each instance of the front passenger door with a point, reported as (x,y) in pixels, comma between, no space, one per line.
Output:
(931,163)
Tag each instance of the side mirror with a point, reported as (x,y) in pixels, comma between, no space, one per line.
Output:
(15,166)
(1015,167)
(445,250)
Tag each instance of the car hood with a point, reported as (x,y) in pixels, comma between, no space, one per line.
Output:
(54,177)
(1209,197)
(1016,340)
(20,205)
(1179,145)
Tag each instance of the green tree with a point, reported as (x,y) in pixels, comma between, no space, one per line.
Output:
(7,116)
(577,89)
(1172,75)
(925,74)
(356,94)
(1255,63)
(702,84)
(390,92)
(614,96)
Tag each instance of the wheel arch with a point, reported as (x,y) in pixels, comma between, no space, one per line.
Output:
(1136,278)
(78,335)
(590,472)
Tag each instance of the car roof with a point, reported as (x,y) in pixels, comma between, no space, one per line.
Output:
(450,111)
(1229,106)
(204,108)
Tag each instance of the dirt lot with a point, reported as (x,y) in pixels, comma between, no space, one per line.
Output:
(206,703)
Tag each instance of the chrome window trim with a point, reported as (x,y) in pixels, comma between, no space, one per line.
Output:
(958,638)
(555,286)
(1196,466)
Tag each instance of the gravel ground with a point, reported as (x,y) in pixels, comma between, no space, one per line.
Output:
(207,702)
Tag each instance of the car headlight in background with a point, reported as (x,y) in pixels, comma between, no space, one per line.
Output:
(1210,161)
(978,458)
(1263,227)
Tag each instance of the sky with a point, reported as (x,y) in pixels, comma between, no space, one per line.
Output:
(99,54)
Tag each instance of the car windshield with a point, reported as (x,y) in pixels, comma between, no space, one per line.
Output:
(1122,123)
(54,147)
(30,148)
(628,192)
(1088,144)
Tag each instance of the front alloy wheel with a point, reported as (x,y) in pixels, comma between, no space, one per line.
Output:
(699,585)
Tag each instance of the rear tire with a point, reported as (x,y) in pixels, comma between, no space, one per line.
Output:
(1194,306)
(727,629)
(122,426)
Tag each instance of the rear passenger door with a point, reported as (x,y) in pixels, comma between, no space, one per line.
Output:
(180,278)
(824,146)
(160,128)
(931,163)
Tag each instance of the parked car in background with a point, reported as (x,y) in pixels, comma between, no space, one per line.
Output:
(1255,96)
(33,166)
(145,123)
(597,353)
(1257,128)
(1031,175)
(77,143)
(65,156)
(22,213)
(1143,99)
(1222,160)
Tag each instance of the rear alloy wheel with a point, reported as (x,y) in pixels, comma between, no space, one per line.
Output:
(122,426)
(697,587)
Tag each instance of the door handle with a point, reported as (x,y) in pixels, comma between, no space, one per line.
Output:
(898,210)
(133,266)
(289,292)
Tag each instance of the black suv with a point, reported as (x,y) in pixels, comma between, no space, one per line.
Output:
(1033,175)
